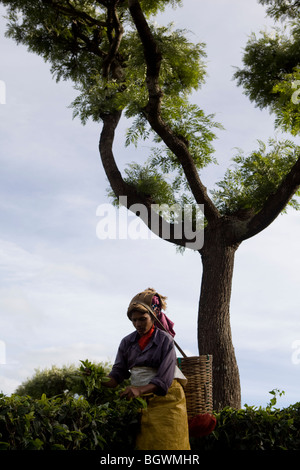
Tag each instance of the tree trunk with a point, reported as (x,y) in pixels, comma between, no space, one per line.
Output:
(214,331)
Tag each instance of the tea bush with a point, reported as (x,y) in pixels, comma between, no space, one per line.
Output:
(52,382)
(70,409)
(85,381)
(253,428)
(65,380)
(95,420)
(66,424)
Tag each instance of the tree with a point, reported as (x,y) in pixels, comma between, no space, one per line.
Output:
(53,382)
(124,64)
(85,381)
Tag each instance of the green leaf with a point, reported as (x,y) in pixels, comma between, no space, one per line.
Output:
(4,445)
(256,176)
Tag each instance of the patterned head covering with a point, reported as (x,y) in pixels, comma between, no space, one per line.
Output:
(149,301)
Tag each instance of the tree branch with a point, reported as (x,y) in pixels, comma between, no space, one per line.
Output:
(110,123)
(115,25)
(90,45)
(73,12)
(275,203)
(139,204)
(153,112)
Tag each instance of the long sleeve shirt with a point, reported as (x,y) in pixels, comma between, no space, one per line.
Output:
(159,354)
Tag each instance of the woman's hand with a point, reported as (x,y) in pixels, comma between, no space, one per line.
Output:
(134,392)
(131,392)
(110,383)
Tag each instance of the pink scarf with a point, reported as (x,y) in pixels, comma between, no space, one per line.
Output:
(164,320)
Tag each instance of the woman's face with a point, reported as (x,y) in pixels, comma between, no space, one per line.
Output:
(142,322)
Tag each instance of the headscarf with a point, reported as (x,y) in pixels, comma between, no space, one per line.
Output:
(164,320)
(156,302)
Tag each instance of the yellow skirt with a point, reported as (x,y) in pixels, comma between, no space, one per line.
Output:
(164,423)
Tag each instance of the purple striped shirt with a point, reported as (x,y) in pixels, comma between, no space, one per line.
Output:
(159,354)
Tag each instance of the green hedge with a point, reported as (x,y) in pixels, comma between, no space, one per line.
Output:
(253,429)
(75,424)
(95,419)
(67,424)
(81,414)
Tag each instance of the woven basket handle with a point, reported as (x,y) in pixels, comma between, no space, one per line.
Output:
(158,321)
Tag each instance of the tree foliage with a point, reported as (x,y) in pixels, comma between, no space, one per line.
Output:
(255,176)
(52,382)
(96,45)
(279,9)
(85,380)
(270,76)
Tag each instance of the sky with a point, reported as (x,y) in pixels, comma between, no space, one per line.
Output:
(64,291)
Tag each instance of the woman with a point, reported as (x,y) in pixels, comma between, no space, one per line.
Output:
(148,357)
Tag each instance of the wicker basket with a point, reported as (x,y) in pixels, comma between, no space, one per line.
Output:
(198,390)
